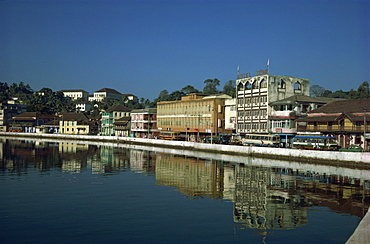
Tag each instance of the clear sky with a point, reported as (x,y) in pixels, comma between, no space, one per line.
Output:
(144,47)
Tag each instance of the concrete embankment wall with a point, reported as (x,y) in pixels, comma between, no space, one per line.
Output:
(267,152)
(362,233)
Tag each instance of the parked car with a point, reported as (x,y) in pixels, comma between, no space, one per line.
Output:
(352,148)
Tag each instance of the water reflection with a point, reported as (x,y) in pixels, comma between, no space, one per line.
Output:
(264,196)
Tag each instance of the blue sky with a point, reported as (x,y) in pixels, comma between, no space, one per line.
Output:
(144,47)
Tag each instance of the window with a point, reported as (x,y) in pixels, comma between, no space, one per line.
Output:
(297,86)
(263,83)
(281,84)
(255,85)
(240,87)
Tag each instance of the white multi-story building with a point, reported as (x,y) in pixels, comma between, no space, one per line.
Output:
(83,106)
(230,114)
(131,97)
(106,93)
(284,112)
(76,94)
(254,94)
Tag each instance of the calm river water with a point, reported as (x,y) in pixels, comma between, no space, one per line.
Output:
(67,192)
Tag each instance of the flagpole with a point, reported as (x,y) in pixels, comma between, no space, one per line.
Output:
(268,66)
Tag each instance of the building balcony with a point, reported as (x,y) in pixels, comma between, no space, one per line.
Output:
(242,92)
(144,130)
(281,113)
(284,130)
(144,121)
(349,129)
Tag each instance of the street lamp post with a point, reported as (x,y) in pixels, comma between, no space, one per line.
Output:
(365,128)
(186,123)
(198,126)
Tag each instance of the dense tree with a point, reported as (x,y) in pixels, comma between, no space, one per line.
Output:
(176,95)
(48,102)
(146,103)
(4,92)
(4,87)
(107,103)
(131,104)
(339,94)
(229,88)
(189,89)
(20,90)
(363,90)
(327,93)
(317,91)
(211,86)
(24,89)
(163,96)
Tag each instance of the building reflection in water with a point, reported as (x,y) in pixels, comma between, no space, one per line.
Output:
(142,161)
(264,197)
(192,176)
(71,163)
(259,204)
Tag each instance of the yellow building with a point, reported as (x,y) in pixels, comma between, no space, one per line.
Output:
(71,123)
(194,115)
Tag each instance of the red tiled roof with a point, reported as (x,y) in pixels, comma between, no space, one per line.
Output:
(342,106)
(118,108)
(73,90)
(109,90)
(32,115)
(73,116)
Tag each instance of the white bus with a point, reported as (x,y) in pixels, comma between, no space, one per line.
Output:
(315,142)
(261,140)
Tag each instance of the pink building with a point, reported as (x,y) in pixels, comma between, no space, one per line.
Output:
(144,123)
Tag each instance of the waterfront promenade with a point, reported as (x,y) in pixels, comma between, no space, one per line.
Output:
(311,156)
